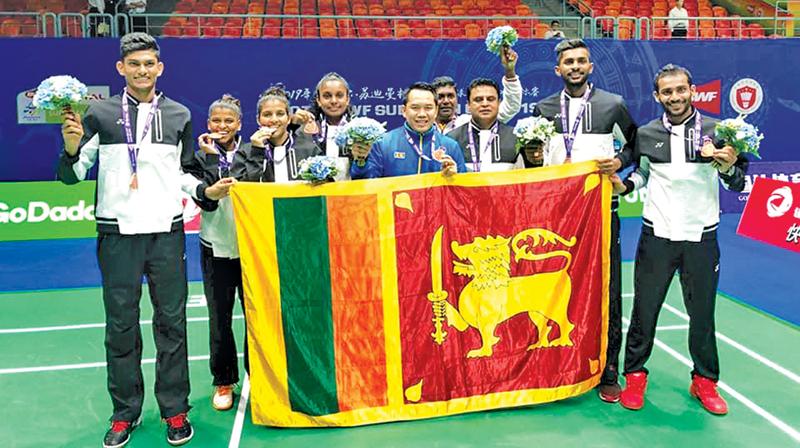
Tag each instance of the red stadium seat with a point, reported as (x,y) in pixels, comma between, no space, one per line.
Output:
(310,32)
(191,31)
(271,31)
(212,32)
(291,31)
(232,32)
(171,31)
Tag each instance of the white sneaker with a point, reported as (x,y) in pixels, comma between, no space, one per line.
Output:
(223,397)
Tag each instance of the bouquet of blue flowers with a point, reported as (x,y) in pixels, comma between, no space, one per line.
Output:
(533,130)
(59,92)
(499,37)
(742,136)
(359,130)
(318,169)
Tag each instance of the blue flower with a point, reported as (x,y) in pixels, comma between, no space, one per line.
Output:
(499,37)
(58,92)
(742,136)
(362,130)
(318,168)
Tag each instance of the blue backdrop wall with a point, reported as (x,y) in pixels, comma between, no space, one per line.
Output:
(199,71)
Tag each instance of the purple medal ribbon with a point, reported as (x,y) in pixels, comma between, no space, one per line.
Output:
(476,164)
(569,138)
(133,148)
(698,129)
(323,134)
(418,150)
(224,164)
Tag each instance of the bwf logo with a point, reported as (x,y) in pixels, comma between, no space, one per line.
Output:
(779,202)
(708,97)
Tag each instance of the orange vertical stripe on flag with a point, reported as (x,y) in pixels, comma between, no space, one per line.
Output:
(355,266)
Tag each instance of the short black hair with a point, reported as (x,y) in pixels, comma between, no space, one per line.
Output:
(443,81)
(482,82)
(137,42)
(671,69)
(419,86)
(569,44)
(555,22)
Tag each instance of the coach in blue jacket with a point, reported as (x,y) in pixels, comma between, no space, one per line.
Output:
(414,148)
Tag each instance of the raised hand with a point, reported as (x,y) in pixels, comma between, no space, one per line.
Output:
(206,143)
(508,58)
(302,117)
(360,150)
(72,131)
(260,137)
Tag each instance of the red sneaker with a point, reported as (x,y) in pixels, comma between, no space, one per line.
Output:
(633,396)
(705,390)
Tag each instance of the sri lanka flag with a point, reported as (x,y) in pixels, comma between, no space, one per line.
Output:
(423,296)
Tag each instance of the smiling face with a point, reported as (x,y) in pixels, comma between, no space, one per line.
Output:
(484,103)
(274,114)
(675,95)
(420,110)
(574,67)
(333,98)
(225,122)
(140,70)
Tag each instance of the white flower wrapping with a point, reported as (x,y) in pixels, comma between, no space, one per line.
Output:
(533,129)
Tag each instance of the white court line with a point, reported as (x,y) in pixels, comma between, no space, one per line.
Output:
(88,365)
(775,421)
(238,423)
(84,326)
(767,362)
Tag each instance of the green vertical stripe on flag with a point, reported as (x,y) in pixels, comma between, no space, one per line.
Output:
(301,229)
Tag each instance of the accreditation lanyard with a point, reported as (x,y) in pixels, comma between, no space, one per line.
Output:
(322,138)
(133,147)
(569,136)
(476,164)
(417,149)
(698,128)
(224,163)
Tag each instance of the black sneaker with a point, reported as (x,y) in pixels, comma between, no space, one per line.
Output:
(120,433)
(609,392)
(179,430)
